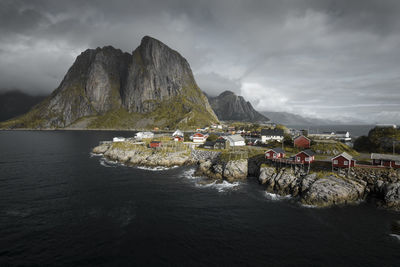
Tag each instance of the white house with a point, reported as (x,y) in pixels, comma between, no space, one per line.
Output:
(343,136)
(119,139)
(177,133)
(235,140)
(271,135)
(141,135)
(199,138)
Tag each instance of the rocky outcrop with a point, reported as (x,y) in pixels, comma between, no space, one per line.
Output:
(230,107)
(330,191)
(322,192)
(391,195)
(152,85)
(230,171)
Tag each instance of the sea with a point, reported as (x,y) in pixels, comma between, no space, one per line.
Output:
(60,205)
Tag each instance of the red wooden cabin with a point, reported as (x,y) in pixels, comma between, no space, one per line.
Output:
(178,138)
(302,142)
(305,157)
(154,144)
(275,153)
(343,160)
(385,160)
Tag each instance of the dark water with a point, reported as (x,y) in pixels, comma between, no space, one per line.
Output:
(59,206)
(355,130)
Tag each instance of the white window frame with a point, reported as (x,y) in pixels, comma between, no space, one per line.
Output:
(274,155)
(346,162)
(335,161)
(307,159)
(298,158)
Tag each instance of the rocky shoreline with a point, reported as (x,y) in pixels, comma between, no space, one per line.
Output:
(314,189)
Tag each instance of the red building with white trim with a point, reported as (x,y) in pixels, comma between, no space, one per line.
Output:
(302,142)
(305,157)
(154,144)
(275,153)
(385,160)
(343,160)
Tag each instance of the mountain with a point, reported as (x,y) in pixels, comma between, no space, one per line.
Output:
(290,118)
(14,103)
(107,88)
(230,107)
(294,119)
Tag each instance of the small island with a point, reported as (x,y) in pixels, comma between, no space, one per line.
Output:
(318,173)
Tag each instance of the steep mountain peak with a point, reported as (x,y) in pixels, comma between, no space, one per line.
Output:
(227,93)
(230,107)
(153,82)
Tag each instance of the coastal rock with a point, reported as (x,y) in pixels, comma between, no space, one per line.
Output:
(282,182)
(333,191)
(235,169)
(392,195)
(230,171)
(307,181)
(101,149)
(266,173)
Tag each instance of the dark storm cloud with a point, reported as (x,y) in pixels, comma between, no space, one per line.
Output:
(310,56)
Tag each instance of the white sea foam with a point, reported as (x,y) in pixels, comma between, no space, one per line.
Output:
(395,236)
(221,187)
(109,163)
(273,196)
(189,174)
(309,206)
(95,155)
(157,168)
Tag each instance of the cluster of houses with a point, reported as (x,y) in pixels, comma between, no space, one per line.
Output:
(305,156)
(343,160)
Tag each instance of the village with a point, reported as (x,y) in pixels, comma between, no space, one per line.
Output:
(328,151)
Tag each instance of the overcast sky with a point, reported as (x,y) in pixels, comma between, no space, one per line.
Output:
(315,58)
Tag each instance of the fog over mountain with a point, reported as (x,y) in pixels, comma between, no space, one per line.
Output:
(329,59)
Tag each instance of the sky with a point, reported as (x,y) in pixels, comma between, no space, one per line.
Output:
(318,58)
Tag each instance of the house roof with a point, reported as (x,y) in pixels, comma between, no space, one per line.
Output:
(220,140)
(272,132)
(302,136)
(177,133)
(385,157)
(209,143)
(277,150)
(345,155)
(234,138)
(308,152)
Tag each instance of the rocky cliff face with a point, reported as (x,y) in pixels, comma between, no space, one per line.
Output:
(151,84)
(230,107)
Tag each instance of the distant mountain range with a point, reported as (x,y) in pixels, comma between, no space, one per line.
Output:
(107,88)
(230,107)
(14,103)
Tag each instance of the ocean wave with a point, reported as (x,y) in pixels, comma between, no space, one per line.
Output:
(272,196)
(221,187)
(189,174)
(395,236)
(109,163)
(157,168)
